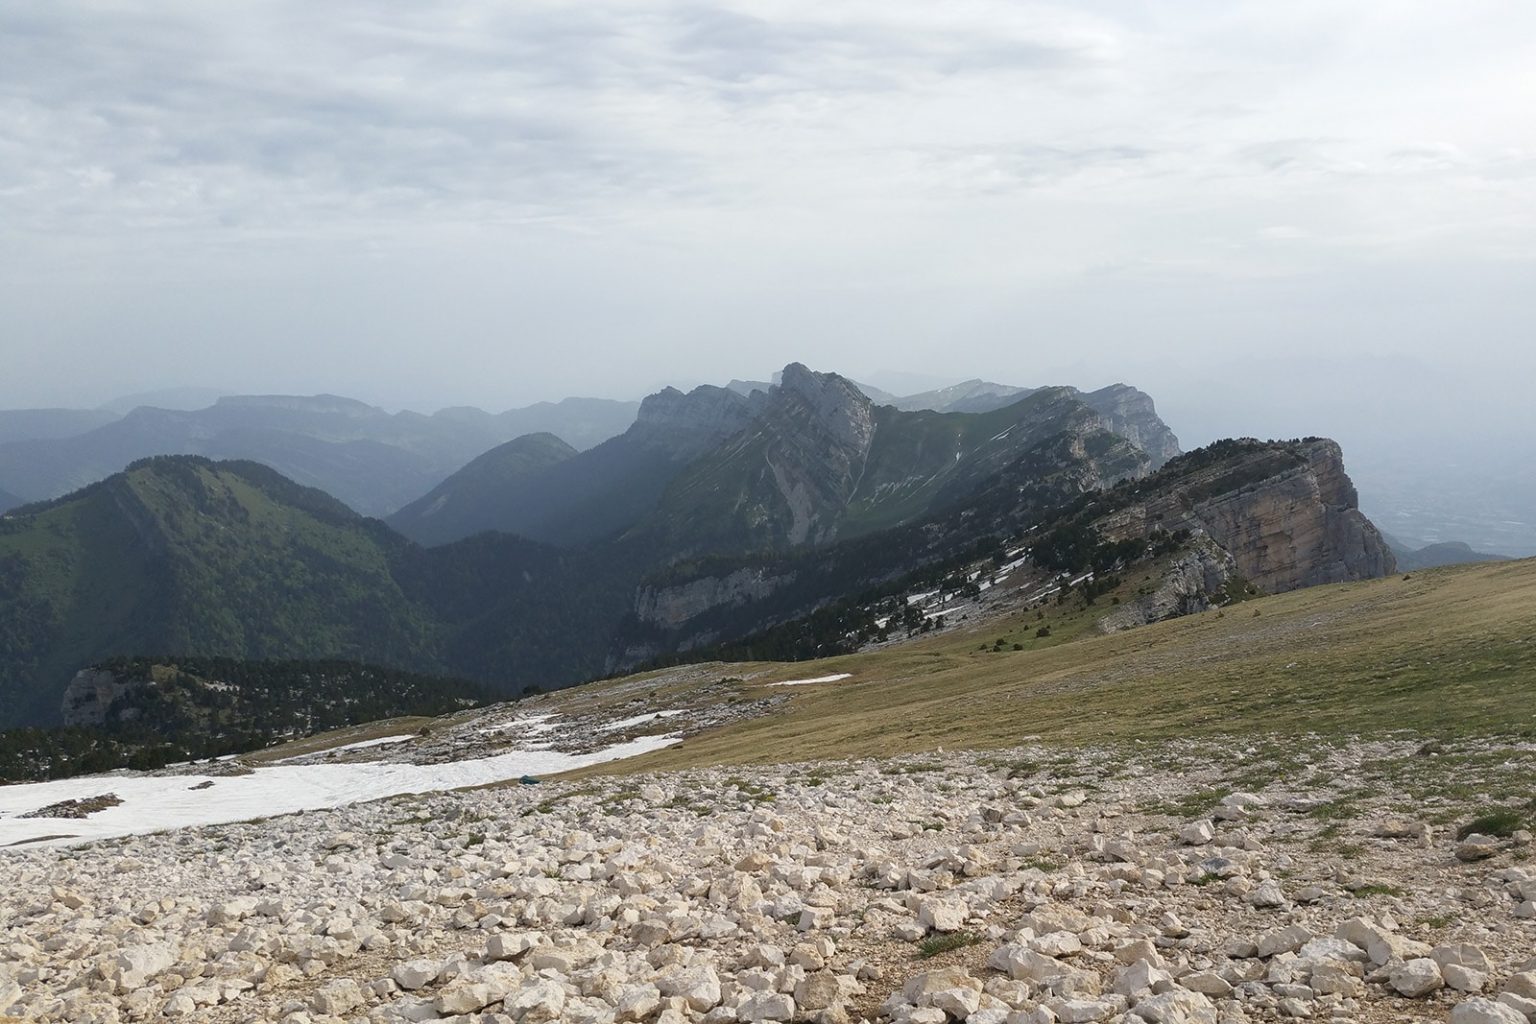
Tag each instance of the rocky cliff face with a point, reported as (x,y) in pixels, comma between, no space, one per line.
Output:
(823,428)
(1132,414)
(1288,515)
(1192,583)
(668,607)
(692,423)
(90,694)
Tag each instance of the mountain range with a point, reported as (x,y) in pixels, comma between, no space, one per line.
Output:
(716,514)
(372,460)
(752,466)
(1432,556)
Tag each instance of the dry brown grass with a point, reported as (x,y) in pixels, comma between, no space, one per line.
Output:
(1444,652)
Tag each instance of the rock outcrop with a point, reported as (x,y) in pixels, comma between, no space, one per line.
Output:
(692,423)
(1193,582)
(823,429)
(90,694)
(669,607)
(1288,514)
(1131,414)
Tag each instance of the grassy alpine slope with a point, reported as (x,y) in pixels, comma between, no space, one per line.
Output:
(1442,653)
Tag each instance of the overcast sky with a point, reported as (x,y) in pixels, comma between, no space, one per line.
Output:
(1261,212)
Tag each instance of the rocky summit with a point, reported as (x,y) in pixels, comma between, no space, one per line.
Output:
(1172,883)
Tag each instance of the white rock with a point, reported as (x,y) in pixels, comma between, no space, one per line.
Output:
(1197,833)
(637,1002)
(415,974)
(138,964)
(1418,977)
(1283,940)
(941,915)
(536,1003)
(1139,978)
(1484,1011)
(959,1003)
(1463,978)
(766,1006)
(1267,895)
(1177,1006)
(699,987)
(337,997)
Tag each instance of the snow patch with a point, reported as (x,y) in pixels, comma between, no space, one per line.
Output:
(154,803)
(625,723)
(818,679)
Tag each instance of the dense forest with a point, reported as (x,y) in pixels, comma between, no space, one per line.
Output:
(186,709)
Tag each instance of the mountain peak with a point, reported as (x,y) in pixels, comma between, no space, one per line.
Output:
(834,402)
(713,410)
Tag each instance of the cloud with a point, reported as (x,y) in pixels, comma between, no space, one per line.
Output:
(583,196)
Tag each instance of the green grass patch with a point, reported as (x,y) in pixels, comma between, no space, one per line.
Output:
(1503,823)
(936,944)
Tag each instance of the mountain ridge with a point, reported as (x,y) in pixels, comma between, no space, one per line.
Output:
(715,515)
(807,460)
(373,460)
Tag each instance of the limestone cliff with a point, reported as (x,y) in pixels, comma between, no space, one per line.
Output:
(824,427)
(1131,414)
(692,423)
(669,607)
(1287,513)
(90,694)
(1193,582)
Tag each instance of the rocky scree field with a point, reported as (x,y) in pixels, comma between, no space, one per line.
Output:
(1151,884)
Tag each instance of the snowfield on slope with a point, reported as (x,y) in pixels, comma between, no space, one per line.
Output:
(152,803)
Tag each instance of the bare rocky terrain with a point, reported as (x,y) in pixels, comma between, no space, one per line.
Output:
(1218,881)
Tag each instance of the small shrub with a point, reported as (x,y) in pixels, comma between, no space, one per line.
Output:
(1502,823)
(936,944)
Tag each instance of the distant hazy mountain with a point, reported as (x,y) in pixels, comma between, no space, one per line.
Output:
(1433,555)
(181,399)
(581,423)
(1128,412)
(969,396)
(38,424)
(880,396)
(807,460)
(820,461)
(8,501)
(473,499)
(372,460)
(599,492)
